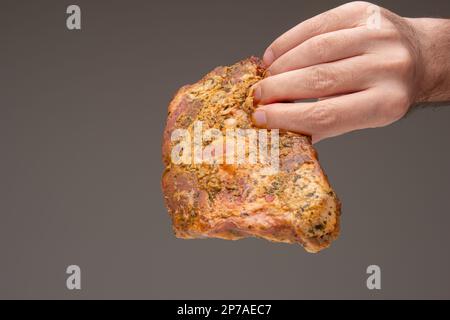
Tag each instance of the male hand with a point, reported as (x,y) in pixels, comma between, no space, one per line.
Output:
(364,64)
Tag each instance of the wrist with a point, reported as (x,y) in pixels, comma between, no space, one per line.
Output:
(433,39)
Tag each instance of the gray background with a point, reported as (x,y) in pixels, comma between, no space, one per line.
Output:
(81,118)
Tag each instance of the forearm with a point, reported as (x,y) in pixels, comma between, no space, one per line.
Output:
(434,39)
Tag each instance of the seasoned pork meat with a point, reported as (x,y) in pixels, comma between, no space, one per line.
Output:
(278,193)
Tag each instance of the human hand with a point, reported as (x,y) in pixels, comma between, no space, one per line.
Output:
(364,64)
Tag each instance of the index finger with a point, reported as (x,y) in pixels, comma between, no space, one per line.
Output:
(346,16)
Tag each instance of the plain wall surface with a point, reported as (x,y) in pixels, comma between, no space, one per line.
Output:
(81,121)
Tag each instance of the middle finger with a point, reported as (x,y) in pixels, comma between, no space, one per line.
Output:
(343,76)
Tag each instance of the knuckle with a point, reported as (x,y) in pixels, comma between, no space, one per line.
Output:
(322,117)
(263,87)
(360,3)
(320,47)
(395,109)
(400,106)
(359,6)
(317,25)
(282,64)
(276,47)
(407,59)
(275,118)
(321,78)
(270,90)
(275,68)
(403,61)
(330,18)
(390,34)
(394,113)
(320,24)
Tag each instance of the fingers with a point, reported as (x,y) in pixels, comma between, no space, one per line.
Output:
(318,81)
(323,48)
(326,118)
(343,17)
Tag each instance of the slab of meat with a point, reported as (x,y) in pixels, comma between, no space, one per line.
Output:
(222,199)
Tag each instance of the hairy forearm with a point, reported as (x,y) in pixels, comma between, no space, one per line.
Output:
(434,39)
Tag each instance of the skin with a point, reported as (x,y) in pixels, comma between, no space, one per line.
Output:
(364,74)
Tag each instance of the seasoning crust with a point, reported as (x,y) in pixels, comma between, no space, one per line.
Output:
(233,201)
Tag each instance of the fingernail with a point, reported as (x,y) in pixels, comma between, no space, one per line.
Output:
(256,95)
(268,57)
(259,118)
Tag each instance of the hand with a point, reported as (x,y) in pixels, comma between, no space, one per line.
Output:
(364,64)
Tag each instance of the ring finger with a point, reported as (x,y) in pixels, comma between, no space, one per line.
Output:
(343,76)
